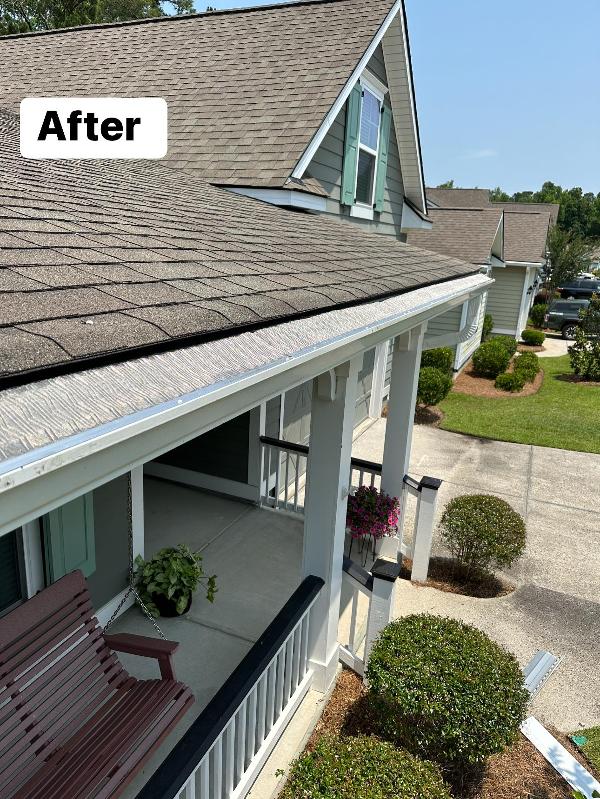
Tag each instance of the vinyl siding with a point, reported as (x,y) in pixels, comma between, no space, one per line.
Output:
(326,167)
(504,297)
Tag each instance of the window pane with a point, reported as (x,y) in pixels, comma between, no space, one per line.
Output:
(10,581)
(364,177)
(369,120)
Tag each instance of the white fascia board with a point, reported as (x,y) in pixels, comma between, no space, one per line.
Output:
(287,197)
(498,243)
(314,144)
(537,264)
(81,462)
(373,84)
(497,262)
(412,220)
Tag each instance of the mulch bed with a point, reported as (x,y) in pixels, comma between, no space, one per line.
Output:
(571,378)
(530,348)
(426,415)
(446,575)
(475,386)
(520,772)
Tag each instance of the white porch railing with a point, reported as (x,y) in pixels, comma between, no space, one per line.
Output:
(223,751)
(283,466)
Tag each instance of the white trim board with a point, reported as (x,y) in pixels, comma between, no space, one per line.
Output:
(559,758)
(286,197)
(412,221)
(208,482)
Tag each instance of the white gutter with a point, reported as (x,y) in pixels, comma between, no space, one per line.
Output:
(285,197)
(467,331)
(23,468)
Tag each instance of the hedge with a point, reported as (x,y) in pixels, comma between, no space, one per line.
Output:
(434,385)
(533,337)
(444,690)
(362,768)
(491,358)
(510,381)
(441,358)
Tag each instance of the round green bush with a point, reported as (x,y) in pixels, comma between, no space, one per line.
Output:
(362,768)
(490,359)
(482,531)
(508,342)
(434,385)
(488,324)
(533,337)
(537,313)
(526,365)
(445,690)
(510,381)
(441,358)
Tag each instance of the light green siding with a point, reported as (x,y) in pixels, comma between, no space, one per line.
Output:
(327,164)
(504,297)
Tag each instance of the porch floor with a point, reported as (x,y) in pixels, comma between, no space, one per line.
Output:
(256,555)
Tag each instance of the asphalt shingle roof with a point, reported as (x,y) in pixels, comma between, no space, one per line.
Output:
(459,198)
(466,233)
(116,258)
(525,234)
(246,89)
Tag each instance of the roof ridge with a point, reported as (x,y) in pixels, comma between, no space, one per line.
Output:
(171,18)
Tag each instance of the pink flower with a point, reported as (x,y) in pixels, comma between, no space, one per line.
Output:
(371,512)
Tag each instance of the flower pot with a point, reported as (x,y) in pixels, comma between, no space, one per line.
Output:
(168,607)
(387,547)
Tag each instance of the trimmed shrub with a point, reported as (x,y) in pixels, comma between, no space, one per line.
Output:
(491,358)
(537,313)
(434,386)
(488,324)
(482,531)
(445,690)
(362,768)
(441,358)
(510,381)
(533,337)
(526,365)
(584,354)
(508,342)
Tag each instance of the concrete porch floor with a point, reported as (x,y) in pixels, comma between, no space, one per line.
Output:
(256,555)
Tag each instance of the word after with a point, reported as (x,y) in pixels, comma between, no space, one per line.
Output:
(93,127)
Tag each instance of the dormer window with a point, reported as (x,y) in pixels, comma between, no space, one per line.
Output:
(368,122)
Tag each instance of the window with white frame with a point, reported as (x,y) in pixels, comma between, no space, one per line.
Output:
(368,145)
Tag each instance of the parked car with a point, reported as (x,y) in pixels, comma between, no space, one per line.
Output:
(580,289)
(563,315)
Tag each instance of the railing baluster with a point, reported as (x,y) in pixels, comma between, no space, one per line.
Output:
(251,723)
(261,721)
(240,746)
(204,778)
(287,479)
(361,478)
(217,769)
(289,655)
(277,476)
(296,661)
(353,617)
(280,684)
(229,757)
(270,698)
(268,482)
(297,482)
(372,479)
(189,792)
(304,648)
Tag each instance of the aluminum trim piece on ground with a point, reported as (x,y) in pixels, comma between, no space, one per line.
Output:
(47,417)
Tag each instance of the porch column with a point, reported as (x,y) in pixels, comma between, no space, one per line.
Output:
(328,472)
(406,360)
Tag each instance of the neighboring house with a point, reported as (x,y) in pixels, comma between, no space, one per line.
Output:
(155,322)
(517,277)
(475,235)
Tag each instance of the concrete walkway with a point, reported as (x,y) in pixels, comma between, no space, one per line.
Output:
(557,602)
(554,345)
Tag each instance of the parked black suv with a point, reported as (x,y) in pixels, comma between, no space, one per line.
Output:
(580,289)
(563,315)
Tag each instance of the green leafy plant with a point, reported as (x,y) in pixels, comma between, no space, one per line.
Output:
(441,358)
(362,767)
(526,365)
(434,386)
(445,690)
(491,358)
(584,354)
(533,337)
(488,324)
(482,531)
(173,573)
(510,381)
(537,314)
(579,795)
(508,342)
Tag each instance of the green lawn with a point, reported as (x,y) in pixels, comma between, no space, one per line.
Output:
(562,414)
(591,749)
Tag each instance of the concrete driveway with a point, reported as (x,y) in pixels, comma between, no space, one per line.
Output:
(557,602)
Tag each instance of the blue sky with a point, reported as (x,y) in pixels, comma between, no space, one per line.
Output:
(507,93)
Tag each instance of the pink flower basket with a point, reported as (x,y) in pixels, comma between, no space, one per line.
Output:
(372,512)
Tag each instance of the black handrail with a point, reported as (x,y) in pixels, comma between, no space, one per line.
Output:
(186,755)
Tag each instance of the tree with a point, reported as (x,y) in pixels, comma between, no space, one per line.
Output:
(499,196)
(449,184)
(584,354)
(568,255)
(22,16)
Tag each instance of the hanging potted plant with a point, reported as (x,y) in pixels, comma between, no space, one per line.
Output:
(167,581)
(372,513)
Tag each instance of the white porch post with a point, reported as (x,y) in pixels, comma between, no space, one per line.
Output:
(381,605)
(378,382)
(328,469)
(406,359)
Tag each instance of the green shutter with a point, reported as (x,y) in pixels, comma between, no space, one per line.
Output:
(69,539)
(382,157)
(10,576)
(351,145)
